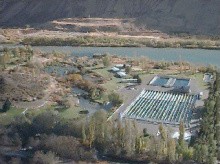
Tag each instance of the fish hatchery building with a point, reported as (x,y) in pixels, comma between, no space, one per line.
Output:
(163,107)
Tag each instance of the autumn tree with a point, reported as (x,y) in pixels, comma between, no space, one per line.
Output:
(143,62)
(128,69)
(84,138)
(3,61)
(75,78)
(162,151)
(171,150)
(106,61)
(91,133)
(182,131)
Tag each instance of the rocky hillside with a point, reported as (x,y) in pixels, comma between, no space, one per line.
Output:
(171,16)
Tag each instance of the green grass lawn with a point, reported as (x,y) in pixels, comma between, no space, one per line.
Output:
(199,79)
(112,84)
(14,59)
(71,113)
(8,117)
(164,72)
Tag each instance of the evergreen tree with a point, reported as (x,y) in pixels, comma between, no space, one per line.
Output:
(139,80)
(6,106)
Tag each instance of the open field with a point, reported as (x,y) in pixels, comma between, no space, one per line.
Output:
(71,113)
(112,84)
(8,117)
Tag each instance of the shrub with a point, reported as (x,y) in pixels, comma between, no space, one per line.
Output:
(115,98)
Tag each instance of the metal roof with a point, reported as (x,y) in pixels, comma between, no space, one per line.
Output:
(114,69)
(121,74)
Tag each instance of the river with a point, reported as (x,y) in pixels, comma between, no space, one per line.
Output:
(197,56)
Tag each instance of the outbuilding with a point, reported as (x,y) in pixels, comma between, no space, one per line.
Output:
(187,136)
(121,74)
(129,81)
(114,69)
(119,66)
(207,77)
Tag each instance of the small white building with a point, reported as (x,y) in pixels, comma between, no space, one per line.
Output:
(114,69)
(119,65)
(136,69)
(129,81)
(121,74)
(207,77)
(187,136)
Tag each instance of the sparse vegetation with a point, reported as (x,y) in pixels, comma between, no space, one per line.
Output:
(116,42)
(115,98)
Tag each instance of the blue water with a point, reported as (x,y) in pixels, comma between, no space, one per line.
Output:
(59,70)
(160,81)
(198,56)
(181,83)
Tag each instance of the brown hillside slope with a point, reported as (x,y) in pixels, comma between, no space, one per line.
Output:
(172,16)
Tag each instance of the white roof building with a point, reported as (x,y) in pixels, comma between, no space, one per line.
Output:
(121,74)
(187,136)
(114,69)
(119,65)
(129,81)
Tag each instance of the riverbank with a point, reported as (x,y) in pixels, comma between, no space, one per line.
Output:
(194,56)
(107,41)
(143,38)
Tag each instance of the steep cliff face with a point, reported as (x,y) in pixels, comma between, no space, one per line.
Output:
(172,16)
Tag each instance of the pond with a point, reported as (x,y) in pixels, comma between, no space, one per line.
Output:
(93,107)
(181,83)
(86,104)
(160,81)
(197,56)
(78,91)
(60,70)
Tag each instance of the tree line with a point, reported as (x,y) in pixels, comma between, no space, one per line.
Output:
(48,137)
(15,55)
(117,42)
(207,145)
